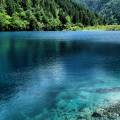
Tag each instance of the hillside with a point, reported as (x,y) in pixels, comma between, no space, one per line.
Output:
(43,15)
(108,9)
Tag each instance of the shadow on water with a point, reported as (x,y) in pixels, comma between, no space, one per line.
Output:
(19,55)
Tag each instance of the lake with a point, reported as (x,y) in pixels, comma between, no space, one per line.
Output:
(58,75)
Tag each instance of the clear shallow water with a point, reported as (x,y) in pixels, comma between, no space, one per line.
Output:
(57,75)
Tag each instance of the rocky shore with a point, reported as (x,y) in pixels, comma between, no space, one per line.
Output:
(111,112)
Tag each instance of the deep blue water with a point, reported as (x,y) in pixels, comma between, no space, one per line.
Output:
(57,75)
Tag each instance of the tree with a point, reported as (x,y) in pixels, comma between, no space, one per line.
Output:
(4,21)
(46,14)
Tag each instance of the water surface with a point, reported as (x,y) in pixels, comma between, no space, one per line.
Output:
(57,75)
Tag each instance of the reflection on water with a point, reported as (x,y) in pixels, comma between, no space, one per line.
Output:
(56,79)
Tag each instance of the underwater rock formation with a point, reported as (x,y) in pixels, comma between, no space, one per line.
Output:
(111,112)
(108,90)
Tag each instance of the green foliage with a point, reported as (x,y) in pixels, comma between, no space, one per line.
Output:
(17,23)
(43,15)
(68,19)
(4,21)
(103,27)
(10,6)
(108,9)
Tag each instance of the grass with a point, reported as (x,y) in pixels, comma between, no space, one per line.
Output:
(98,27)
(103,27)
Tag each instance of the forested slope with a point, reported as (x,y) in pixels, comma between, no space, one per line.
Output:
(44,15)
(108,9)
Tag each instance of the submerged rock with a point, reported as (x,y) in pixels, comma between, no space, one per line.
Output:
(108,90)
(111,112)
(95,114)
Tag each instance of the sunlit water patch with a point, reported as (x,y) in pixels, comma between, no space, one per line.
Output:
(56,75)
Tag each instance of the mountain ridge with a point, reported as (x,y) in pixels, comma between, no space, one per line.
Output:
(108,9)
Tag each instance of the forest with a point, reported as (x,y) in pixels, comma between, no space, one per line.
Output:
(19,15)
(109,10)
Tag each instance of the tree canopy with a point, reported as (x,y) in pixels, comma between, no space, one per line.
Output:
(109,10)
(44,15)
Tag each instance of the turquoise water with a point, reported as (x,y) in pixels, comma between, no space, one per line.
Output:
(58,75)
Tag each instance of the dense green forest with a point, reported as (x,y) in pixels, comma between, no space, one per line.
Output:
(44,15)
(109,10)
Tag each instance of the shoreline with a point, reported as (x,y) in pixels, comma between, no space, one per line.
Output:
(74,28)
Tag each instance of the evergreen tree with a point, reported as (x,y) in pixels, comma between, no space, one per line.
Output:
(44,14)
